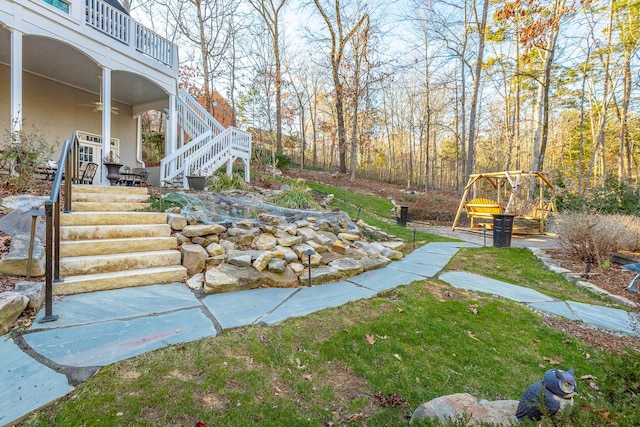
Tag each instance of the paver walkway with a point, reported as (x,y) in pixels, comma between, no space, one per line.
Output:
(100,328)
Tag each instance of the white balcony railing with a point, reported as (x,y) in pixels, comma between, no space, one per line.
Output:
(120,26)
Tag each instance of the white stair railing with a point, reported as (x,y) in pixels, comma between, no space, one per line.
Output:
(211,145)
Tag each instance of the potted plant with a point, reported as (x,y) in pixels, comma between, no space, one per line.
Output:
(113,165)
(197,179)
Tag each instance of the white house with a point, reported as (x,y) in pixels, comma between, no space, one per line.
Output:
(86,66)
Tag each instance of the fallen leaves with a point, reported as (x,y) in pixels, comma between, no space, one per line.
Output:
(473,308)
(389,400)
(369,339)
(551,360)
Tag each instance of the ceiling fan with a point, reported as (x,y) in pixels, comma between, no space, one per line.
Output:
(97,105)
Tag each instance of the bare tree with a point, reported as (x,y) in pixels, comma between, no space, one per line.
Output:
(270,13)
(339,37)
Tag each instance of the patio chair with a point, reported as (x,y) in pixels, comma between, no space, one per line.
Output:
(141,175)
(88,173)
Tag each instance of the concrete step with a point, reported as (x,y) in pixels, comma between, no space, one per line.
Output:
(94,232)
(120,279)
(110,207)
(94,264)
(108,198)
(111,218)
(108,189)
(76,248)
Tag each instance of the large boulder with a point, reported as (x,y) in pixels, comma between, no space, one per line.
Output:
(321,275)
(193,258)
(16,261)
(11,306)
(177,222)
(230,278)
(459,406)
(347,266)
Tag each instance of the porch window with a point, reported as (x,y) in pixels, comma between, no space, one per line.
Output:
(59,4)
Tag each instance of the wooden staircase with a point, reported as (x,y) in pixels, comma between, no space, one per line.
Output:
(106,243)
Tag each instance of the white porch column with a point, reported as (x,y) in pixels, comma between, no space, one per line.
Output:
(106,118)
(16,81)
(172,126)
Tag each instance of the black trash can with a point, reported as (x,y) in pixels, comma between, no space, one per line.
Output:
(404,214)
(502,229)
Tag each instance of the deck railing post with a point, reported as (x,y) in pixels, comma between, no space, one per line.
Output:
(48,316)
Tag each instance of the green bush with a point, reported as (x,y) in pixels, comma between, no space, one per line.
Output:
(282,161)
(152,148)
(611,197)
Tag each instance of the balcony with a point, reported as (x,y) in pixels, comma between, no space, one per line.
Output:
(118,25)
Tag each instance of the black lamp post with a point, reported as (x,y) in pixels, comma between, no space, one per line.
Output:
(308,253)
(414,238)
(358,217)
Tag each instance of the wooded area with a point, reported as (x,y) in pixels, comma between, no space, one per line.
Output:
(423,93)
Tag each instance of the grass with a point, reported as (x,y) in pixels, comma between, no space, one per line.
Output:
(426,340)
(321,369)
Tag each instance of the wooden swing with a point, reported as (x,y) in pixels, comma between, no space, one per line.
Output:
(515,193)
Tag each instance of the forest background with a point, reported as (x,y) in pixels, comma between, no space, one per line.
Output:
(420,92)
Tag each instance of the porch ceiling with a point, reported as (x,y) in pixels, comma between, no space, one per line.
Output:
(63,63)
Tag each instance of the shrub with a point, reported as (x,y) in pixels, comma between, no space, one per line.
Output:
(282,161)
(220,181)
(593,236)
(153,148)
(24,155)
(297,196)
(612,196)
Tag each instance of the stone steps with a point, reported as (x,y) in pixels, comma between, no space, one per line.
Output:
(105,245)
(103,198)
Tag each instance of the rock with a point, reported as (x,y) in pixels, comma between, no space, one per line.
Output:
(296,267)
(277,265)
(266,228)
(329,236)
(15,262)
(209,239)
(302,223)
(320,275)
(214,261)
(230,278)
(317,246)
(242,237)
(17,222)
(193,258)
(391,254)
(301,249)
(397,245)
(227,245)
(182,239)
(308,233)
(370,248)
(339,247)
(289,240)
(287,279)
(348,237)
(196,281)
(262,261)
(315,259)
(215,249)
(371,263)
(239,260)
(11,306)
(203,229)
(245,224)
(356,253)
(289,255)
(286,230)
(34,291)
(347,266)
(215,281)
(24,202)
(198,241)
(176,222)
(264,242)
(460,405)
(277,254)
(328,257)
